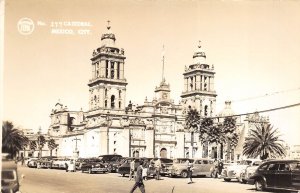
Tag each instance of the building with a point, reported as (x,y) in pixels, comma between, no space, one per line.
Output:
(153,129)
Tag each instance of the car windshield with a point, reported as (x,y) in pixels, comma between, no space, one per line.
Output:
(8,175)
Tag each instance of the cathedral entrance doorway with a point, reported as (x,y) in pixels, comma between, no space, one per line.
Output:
(163,153)
(136,154)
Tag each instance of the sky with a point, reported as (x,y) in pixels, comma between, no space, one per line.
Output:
(253,45)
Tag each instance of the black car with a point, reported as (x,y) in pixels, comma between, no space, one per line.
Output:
(93,165)
(111,161)
(277,174)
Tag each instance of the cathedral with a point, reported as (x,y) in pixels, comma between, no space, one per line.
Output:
(153,129)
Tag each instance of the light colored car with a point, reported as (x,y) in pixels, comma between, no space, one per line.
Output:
(201,167)
(32,162)
(235,171)
(60,163)
(249,171)
(179,167)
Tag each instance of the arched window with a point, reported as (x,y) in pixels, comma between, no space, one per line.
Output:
(191,84)
(163,153)
(120,94)
(136,154)
(105,92)
(106,69)
(105,103)
(95,98)
(119,104)
(112,101)
(112,70)
(205,110)
(118,70)
(97,73)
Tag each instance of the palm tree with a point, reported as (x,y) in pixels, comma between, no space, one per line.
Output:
(41,142)
(51,145)
(13,139)
(32,146)
(191,122)
(264,141)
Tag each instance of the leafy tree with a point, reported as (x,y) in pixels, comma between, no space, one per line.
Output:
(41,142)
(13,139)
(32,145)
(52,145)
(264,141)
(192,122)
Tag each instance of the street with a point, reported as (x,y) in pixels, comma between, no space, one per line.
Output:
(59,181)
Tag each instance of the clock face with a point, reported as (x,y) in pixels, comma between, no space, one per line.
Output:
(165,95)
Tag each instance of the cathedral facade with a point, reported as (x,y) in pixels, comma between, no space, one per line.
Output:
(153,129)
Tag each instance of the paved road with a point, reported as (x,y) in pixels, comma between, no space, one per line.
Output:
(59,181)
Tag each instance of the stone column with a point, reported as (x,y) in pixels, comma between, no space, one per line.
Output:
(180,144)
(149,140)
(122,70)
(104,149)
(115,70)
(212,83)
(125,142)
(201,82)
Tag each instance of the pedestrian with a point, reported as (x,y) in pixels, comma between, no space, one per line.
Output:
(157,168)
(66,166)
(220,167)
(139,179)
(216,165)
(132,167)
(145,170)
(189,171)
(23,160)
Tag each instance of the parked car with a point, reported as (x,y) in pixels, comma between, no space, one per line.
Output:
(32,162)
(249,171)
(277,174)
(9,177)
(78,163)
(93,165)
(234,171)
(111,160)
(201,167)
(178,165)
(124,168)
(60,163)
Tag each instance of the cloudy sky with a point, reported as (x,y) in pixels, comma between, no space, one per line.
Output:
(254,46)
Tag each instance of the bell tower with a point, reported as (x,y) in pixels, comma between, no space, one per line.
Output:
(198,89)
(107,86)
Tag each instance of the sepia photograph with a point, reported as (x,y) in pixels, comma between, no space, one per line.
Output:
(156,96)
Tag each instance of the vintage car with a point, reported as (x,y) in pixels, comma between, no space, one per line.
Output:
(277,174)
(93,165)
(201,167)
(166,164)
(32,162)
(234,171)
(178,165)
(60,163)
(111,160)
(124,168)
(249,171)
(78,163)
(9,177)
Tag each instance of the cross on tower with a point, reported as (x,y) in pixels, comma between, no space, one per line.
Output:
(108,26)
(199,45)
(76,139)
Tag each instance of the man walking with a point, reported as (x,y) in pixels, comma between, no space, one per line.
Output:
(157,168)
(139,179)
(190,171)
(132,167)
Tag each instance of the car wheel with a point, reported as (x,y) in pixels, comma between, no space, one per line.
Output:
(90,171)
(227,179)
(259,185)
(244,181)
(123,175)
(184,174)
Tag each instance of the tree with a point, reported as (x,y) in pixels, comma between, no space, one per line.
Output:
(41,142)
(52,145)
(32,146)
(192,122)
(13,139)
(264,141)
